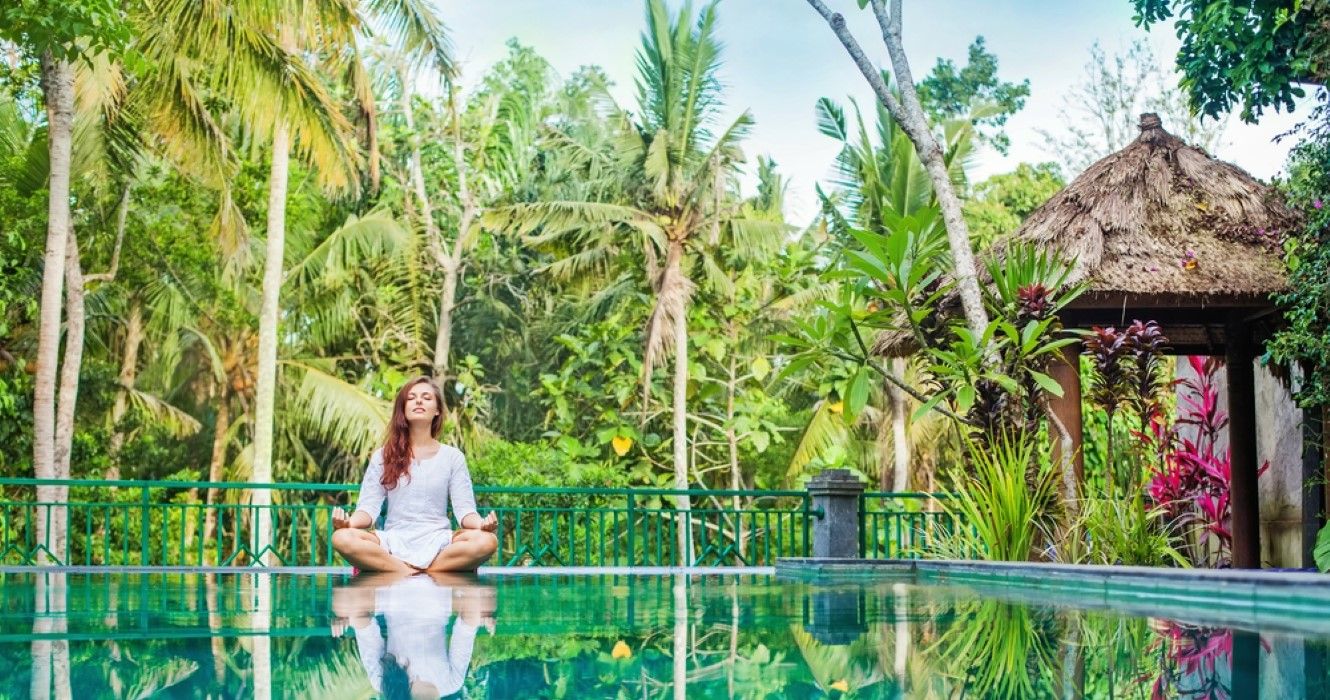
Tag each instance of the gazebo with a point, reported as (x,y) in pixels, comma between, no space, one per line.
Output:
(1163,231)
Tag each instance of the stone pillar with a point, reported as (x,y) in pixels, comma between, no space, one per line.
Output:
(835,617)
(1279,443)
(836,494)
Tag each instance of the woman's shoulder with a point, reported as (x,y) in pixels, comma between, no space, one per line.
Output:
(376,457)
(451,453)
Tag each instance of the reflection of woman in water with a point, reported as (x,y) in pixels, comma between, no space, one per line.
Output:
(418,476)
(400,625)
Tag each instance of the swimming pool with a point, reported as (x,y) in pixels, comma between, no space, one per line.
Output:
(526,634)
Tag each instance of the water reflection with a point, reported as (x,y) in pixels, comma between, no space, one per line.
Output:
(401,628)
(750,637)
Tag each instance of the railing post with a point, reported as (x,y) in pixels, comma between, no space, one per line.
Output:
(632,528)
(144,522)
(836,495)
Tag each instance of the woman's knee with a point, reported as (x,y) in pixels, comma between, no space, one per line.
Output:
(346,539)
(486,544)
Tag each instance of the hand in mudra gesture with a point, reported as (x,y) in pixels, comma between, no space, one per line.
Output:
(490,523)
(340,518)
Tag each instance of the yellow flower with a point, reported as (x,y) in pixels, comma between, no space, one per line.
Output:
(621,650)
(842,685)
(621,444)
(837,407)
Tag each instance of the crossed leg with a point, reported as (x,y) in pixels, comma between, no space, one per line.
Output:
(468,550)
(363,550)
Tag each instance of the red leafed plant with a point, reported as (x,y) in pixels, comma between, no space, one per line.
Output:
(1192,479)
(1193,659)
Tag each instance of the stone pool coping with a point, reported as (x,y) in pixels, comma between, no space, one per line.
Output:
(346,570)
(1252,599)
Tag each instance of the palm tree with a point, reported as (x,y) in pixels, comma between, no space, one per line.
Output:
(277,92)
(672,195)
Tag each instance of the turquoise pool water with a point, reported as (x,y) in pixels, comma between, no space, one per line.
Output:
(616,636)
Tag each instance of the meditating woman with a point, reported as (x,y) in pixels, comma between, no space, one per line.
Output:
(418,476)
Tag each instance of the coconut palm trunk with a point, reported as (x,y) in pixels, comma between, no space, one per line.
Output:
(216,465)
(680,409)
(899,430)
(58,517)
(266,380)
(58,91)
(129,361)
(680,638)
(50,651)
(732,445)
(672,305)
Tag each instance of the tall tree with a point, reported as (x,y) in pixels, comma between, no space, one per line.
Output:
(909,113)
(57,35)
(672,194)
(330,31)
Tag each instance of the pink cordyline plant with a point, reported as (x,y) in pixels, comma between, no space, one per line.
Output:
(1192,660)
(1191,482)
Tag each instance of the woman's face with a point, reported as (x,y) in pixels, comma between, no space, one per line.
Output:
(422,404)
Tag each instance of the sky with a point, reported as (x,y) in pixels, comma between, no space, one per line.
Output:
(780,57)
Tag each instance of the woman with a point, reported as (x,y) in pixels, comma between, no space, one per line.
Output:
(418,476)
(415,634)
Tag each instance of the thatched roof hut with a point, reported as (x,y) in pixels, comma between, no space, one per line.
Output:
(1162,231)
(1159,228)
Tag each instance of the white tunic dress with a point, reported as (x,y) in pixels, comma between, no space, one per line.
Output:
(417,526)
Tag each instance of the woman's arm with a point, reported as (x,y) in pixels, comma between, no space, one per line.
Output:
(370,503)
(463,497)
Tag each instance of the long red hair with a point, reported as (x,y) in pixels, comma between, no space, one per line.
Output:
(397,445)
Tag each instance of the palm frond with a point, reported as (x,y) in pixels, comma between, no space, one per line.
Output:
(553,220)
(419,31)
(361,239)
(826,427)
(337,410)
(175,420)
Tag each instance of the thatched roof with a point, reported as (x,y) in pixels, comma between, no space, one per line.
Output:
(1132,222)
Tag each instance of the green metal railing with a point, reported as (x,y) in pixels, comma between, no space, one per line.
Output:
(170,523)
(899,525)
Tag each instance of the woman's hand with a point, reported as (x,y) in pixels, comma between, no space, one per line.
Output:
(473,521)
(340,518)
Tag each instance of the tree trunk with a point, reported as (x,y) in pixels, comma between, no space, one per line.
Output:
(218,642)
(266,382)
(900,435)
(58,90)
(215,467)
(68,395)
(452,262)
(261,622)
(680,408)
(680,638)
(732,443)
(50,651)
(443,340)
(129,368)
(908,112)
(443,335)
